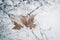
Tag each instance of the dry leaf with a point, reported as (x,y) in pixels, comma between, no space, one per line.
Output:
(24,20)
(30,23)
(17,26)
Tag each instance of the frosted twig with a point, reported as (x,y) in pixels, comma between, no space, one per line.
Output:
(33,10)
(42,32)
(44,37)
(35,35)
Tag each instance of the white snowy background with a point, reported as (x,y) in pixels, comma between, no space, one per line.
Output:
(47,19)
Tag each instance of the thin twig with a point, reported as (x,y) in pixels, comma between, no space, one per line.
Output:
(35,35)
(33,10)
(43,34)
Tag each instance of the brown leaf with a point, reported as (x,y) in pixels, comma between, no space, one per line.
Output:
(31,26)
(24,20)
(30,23)
(17,26)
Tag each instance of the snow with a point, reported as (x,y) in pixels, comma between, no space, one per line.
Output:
(47,21)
